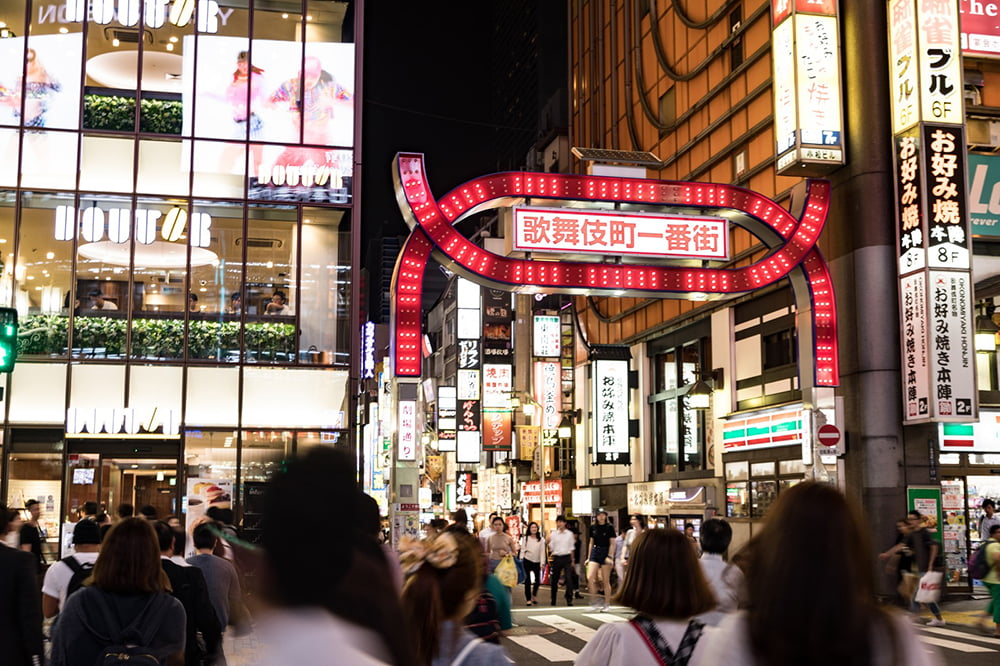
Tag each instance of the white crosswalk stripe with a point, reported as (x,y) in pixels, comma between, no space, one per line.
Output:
(962,636)
(573,632)
(568,626)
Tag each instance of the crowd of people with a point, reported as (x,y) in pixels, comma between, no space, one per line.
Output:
(127,594)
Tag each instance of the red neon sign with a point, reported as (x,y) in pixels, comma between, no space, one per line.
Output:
(433,229)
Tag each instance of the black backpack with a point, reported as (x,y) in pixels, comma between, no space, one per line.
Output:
(81,572)
(129,646)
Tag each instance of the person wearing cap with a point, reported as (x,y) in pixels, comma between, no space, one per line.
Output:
(86,543)
(100,303)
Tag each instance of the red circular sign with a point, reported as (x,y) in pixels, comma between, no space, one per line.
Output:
(828,435)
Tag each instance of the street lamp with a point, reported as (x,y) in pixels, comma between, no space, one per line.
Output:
(700,395)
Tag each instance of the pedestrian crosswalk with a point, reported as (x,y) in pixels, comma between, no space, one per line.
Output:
(557,635)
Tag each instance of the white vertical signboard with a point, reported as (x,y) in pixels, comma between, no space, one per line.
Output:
(546,336)
(406,429)
(808,115)
(934,247)
(954,396)
(610,405)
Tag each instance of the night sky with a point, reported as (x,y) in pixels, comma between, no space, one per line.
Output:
(426,89)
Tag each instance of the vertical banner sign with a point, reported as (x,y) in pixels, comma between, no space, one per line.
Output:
(447,418)
(611,440)
(546,336)
(909,203)
(407,430)
(467,446)
(808,116)
(496,430)
(932,207)
(941,81)
(468,385)
(468,354)
(953,371)
(547,378)
(527,441)
(948,242)
(904,76)
(916,360)
(465,488)
(469,416)
(498,382)
(504,492)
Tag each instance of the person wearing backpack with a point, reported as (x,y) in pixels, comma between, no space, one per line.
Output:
(67,576)
(124,613)
(992,582)
(666,600)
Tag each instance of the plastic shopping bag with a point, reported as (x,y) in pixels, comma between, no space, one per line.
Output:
(545,575)
(930,588)
(520,570)
(506,572)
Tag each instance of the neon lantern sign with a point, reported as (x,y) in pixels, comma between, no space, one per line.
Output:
(792,239)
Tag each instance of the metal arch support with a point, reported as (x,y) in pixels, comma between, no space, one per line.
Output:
(791,238)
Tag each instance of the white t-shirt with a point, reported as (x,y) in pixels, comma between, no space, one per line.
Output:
(310,636)
(59,575)
(621,644)
(561,542)
(726,580)
(731,645)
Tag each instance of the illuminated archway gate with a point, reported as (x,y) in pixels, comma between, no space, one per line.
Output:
(790,236)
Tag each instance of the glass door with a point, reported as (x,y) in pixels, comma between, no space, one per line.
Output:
(97,483)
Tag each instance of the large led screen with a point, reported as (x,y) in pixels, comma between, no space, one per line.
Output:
(293,115)
(284,97)
(51,89)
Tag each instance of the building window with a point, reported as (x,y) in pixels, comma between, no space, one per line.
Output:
(752,487)
(766,346)
(678,429)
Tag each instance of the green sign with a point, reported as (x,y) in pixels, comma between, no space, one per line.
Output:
(927,500)
(984,194)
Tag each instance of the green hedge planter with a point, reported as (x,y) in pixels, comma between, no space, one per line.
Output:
(102,337)
(117,113)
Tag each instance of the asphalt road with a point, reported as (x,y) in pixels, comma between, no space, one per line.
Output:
(545,635)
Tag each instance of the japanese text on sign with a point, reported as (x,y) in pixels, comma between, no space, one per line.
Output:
(912,255)
(546,336)
(496,431)
(468,354)
(953,372)
(465,488)
(407,430)
(531,492)
(904,77)
(611,438)
(607,232)
(916,380)
(940,61)
(947,214)
(498,382)
(547,392)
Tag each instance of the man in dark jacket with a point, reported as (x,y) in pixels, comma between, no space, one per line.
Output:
(190,589)
(20,601)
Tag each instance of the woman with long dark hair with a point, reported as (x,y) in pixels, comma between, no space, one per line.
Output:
(125,601)
(665,585)
(443,585)
(811,587)
(533,554)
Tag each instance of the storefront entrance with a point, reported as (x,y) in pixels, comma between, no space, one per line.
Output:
(139,479)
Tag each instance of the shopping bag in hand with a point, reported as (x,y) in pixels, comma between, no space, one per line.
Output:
(506,571)
(930,588)
(545,575)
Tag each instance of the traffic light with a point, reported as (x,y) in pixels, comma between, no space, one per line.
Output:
(8,339)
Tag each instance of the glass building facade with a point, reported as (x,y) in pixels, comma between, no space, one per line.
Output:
(176,235)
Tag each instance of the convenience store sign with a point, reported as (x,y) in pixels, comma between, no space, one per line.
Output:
(982,437)
(761,431)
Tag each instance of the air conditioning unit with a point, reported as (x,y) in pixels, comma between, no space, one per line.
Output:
(262,243)
(167,279)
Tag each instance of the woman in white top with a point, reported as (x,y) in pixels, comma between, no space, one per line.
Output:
(811,593)
(664,584)
(638,526)
(533,552)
